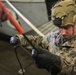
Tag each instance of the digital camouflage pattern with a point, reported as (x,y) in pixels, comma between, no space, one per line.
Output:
(36,40)
(66,49)
(55,44)
(64,12)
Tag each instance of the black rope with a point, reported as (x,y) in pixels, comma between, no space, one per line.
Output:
(19,61)
(29,41)
(25,50)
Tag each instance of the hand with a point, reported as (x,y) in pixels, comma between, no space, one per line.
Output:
(3,13)
(47,60)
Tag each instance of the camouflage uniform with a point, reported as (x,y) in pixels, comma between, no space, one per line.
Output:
(63,14)
(66,49)
(55,43)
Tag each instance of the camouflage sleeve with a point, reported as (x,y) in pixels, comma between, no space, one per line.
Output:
(36,40)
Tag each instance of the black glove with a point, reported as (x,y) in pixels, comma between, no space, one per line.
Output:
(14,41)
(47,60)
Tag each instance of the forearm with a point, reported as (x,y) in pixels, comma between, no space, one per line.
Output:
(36,40)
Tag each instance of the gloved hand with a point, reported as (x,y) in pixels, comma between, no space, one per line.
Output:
(47,60)
(14,41)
